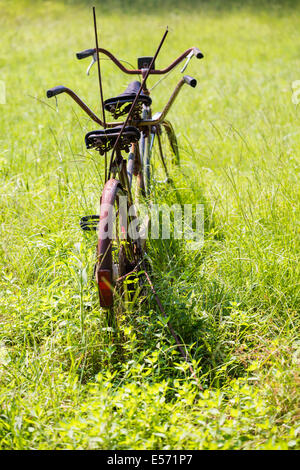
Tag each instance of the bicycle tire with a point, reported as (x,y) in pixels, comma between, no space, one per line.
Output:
(160,154)
(117,255)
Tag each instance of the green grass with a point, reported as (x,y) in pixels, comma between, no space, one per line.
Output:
(66,380)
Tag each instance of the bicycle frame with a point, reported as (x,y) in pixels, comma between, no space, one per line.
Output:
(126,254)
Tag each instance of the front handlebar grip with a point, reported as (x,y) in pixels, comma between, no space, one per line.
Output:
(190,80)
(86,53)
(55,91)
(197,53)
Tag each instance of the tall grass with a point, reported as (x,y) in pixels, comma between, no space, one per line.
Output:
(67,380)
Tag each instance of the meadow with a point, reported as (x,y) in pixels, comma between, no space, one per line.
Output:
(65,383)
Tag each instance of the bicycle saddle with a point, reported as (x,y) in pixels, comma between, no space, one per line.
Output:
(104,140)
(121,104)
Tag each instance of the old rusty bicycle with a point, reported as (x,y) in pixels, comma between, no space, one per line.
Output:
(151,145)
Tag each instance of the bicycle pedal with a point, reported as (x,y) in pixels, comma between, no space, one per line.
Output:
(89,222)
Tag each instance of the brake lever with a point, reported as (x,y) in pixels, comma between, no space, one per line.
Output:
(94,60)
(189,56)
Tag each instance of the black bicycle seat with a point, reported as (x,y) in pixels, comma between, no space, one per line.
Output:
(104,140)
(121,104)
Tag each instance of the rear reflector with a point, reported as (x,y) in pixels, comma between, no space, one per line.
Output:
(105,288)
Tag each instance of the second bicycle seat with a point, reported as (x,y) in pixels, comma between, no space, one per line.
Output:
(104,140)
(121,104)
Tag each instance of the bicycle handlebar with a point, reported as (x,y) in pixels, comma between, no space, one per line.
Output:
(90,52)
(86,53)
(62,89)
(190,81)
(56,91)
(197,53)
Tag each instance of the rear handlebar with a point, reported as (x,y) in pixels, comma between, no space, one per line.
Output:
(62,89)
(140,123)
(190,81)
(56,91)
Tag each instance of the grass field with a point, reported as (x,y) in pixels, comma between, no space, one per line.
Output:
(64,384)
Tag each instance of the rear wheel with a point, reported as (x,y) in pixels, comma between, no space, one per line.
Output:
(118,253)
